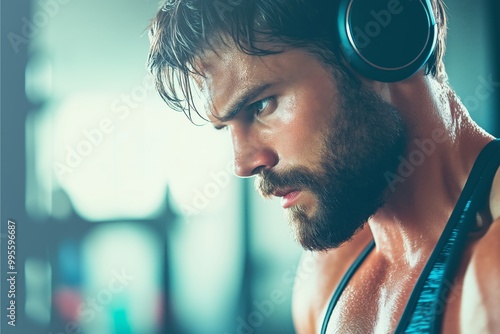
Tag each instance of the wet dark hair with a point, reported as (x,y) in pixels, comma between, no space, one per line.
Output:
(183,29)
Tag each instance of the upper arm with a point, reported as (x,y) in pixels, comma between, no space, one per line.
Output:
(481,291)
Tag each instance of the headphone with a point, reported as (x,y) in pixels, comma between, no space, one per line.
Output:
(386,40)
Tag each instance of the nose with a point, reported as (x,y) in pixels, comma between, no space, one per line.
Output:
(251,153)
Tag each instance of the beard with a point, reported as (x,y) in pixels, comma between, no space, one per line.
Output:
(366,137)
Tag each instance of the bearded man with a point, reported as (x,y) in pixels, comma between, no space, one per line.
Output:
(342,108)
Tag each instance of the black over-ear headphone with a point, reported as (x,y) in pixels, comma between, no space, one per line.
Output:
(386,40)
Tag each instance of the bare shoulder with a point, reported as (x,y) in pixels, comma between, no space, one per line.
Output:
(495,196)
(481,287)
(320,275)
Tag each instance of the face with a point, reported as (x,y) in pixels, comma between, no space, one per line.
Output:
(322,145)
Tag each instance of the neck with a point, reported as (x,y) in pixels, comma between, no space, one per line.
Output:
(443,146)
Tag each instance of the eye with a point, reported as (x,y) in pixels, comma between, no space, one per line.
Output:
(259,106)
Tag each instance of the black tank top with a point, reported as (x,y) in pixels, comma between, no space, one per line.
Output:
(425,308)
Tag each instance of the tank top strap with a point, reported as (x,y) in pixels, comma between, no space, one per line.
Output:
(425,308)
(343,283)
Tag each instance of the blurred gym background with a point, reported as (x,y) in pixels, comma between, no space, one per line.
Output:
(129,219)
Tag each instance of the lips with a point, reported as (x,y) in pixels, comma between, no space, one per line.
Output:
(288,196)
(282,192)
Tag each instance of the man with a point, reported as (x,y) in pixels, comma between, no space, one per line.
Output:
(370,166)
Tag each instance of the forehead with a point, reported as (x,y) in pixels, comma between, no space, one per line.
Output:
(228,71)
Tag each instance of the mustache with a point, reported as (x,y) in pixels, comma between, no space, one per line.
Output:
(268,182)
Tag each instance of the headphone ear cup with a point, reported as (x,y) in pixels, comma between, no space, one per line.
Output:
(386,40)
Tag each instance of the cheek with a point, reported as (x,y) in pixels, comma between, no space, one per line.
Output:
(303,130)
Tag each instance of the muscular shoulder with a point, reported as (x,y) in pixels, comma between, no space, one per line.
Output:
(481,287)
(495,196)
(318,275)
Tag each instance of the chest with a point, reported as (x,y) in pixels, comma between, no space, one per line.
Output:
(374,302)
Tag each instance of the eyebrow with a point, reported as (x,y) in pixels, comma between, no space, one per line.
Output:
(236,106)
